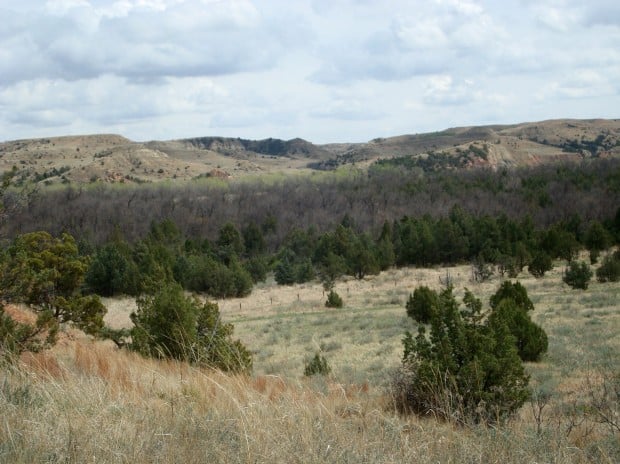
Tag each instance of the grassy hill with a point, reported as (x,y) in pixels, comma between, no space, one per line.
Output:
(87,401)
(112,158)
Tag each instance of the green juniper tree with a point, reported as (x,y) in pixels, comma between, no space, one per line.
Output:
(512,305)
(169,324)
(465,370)
(422,304)
(47,273)
(577,275)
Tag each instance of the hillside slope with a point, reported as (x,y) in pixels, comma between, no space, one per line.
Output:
(113,158)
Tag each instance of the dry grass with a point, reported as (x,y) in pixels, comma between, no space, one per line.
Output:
(85,401)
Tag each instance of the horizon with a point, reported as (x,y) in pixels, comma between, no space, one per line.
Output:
(94,134)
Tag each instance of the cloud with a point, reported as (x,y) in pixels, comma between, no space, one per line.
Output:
(559,18)
(339,70)
(74,40)
(442,90)
(349,109)
(104,101)
(579,85)
(403,42)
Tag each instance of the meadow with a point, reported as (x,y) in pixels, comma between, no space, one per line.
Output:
(86,401)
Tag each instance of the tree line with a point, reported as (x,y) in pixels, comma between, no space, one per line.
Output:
(547,194)
(235,260)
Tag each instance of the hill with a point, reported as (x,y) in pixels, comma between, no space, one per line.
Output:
(113,158)
(85,400)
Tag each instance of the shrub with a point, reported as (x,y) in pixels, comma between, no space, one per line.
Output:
(170,325)
(422,304)
(257,267)
(481,271)
(610,269)
(540,263)
(596,240)
(577,275)
(514,291)
(333,300)
(112,271)
(284,270)
(317,366)
(17,337)
(511,304)
(465,371)
(529,338)
(204,274)
(47,273)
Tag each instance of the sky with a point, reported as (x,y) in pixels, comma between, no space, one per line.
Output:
(322,70)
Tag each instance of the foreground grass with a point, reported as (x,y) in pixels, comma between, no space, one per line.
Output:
(87,402)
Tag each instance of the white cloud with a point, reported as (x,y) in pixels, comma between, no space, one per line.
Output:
(73,39)
(442,90)
(338,70)
(580,84)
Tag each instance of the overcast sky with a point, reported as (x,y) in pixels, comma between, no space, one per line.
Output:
(322,70)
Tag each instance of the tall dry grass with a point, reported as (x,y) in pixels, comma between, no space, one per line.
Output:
(96,404)
(86,401)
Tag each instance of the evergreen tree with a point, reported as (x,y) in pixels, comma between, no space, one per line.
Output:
(541,263)
(529,338)
(168,324)
(317,366)
(596,240)
(284,270)
(385,248)
(112,271)
(609,271)
(512,305)
(253,240)
(47,274)
(362,259)
(17,337)
(229,243)
(422,305)
(577,275)
(514,291)
(334,300)
(465,370)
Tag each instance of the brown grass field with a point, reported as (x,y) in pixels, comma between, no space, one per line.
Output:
(86,401)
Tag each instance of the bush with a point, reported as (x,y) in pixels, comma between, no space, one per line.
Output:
(512,304)
(317,366)
(47,274)
(610,269)
(529,338)
(466,371)
(422,304)
(257,267)
(481,271)
(17,337)
(514,291)
(204,274)
(596,240)
(540,263)
(170,325)
(285,270)
(112,271)
(577,275)
(333,300)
